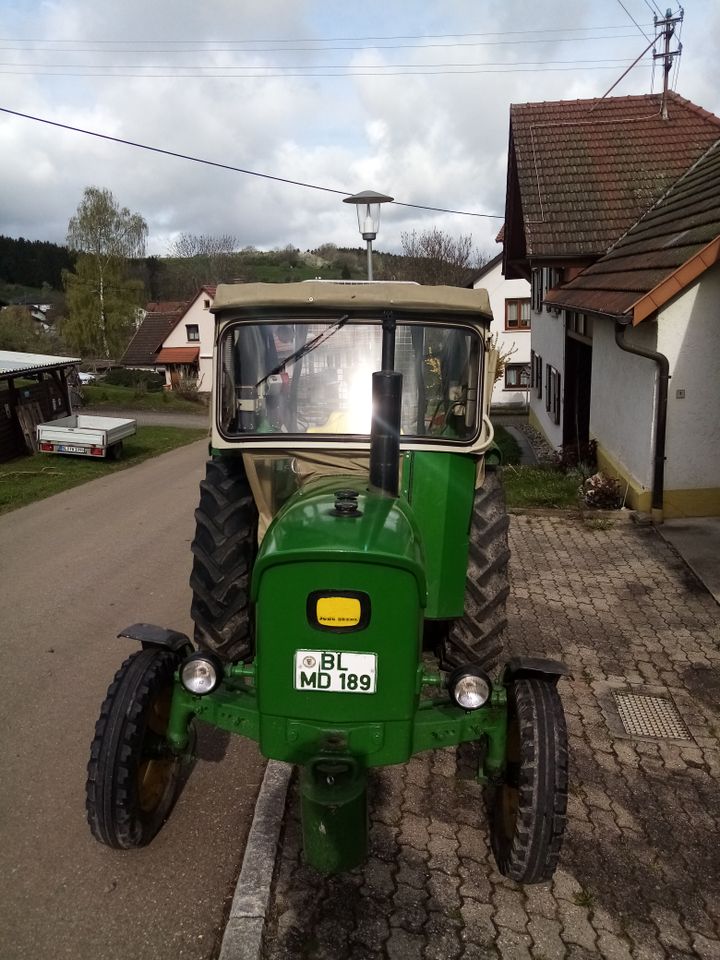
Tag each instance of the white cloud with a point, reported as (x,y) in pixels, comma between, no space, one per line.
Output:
(439,140)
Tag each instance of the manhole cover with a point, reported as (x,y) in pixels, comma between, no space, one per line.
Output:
(644,716)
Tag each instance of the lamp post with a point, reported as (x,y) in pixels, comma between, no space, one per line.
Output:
(367,205)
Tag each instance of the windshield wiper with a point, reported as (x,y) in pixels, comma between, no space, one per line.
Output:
(306,348)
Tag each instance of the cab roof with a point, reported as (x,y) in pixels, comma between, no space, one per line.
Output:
(374,296)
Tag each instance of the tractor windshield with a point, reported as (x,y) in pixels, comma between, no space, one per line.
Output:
(316,378)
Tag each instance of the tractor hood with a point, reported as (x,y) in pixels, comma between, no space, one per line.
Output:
(382,532)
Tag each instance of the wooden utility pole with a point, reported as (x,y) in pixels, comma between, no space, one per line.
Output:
(666,26)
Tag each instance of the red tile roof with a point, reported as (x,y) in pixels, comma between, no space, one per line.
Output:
(681,225)
(586,170)
(178,355)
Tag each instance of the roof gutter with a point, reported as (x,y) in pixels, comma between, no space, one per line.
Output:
(663,366)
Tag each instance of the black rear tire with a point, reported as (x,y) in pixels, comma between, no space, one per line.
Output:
(115,451)
(133,776)
(528,810)
(478,637)
(224,551)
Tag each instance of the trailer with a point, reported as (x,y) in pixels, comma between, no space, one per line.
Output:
(85,436)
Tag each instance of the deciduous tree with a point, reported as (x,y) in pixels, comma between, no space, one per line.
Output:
(434,256)
(101,300)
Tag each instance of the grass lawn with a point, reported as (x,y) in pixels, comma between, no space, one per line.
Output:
(128,398)
(28,479)
(539,487)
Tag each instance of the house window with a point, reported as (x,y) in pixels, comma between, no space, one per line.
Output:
(543,279)
(580,325)
(536,373)
(517,314)
(552,393)
(206,304)
(536,292)
(517,376)
(193,331)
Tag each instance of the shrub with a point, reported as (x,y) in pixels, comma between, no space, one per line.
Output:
(601,492)
(120,377)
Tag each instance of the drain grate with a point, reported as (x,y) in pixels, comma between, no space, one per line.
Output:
(644,716)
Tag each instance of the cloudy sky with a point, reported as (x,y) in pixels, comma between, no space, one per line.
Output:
(407,98)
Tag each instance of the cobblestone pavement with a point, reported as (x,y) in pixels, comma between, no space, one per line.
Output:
(639,875)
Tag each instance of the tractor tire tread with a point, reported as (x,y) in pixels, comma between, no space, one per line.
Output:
(110,805)
(478,636)
(531,855)
(223,551)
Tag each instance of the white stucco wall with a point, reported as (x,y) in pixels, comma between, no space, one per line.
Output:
(499,290)
(689,336)
(548,341)
(198,314)
(622,406)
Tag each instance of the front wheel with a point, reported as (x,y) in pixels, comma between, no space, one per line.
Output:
(133,775)
(528,810)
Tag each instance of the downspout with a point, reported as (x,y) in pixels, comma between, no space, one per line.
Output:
(663,365)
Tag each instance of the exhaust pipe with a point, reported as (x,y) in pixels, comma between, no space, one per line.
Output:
(385,428)
(385,432)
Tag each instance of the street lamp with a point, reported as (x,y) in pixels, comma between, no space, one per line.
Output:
(367,205)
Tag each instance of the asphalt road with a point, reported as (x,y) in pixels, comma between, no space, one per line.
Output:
(74,570)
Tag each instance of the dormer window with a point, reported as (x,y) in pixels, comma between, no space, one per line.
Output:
(193,332)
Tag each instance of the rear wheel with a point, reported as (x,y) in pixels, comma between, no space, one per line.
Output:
(224,550)
(133,775)
(115,451)
(478,636)
(528,810)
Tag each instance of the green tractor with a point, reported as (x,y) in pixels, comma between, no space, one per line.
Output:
(349,578)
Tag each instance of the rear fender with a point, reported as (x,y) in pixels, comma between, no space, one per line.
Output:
(150,636)
(522,667)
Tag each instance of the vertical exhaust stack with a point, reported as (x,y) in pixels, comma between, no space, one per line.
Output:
(385,429)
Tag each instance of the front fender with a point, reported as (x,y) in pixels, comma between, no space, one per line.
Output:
(519,667)
(150,635)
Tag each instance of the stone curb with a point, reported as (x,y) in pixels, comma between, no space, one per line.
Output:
(243,935)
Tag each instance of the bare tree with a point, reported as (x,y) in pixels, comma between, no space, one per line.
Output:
(435,257)
(202,258)
(203,245)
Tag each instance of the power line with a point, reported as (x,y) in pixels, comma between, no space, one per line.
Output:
(395,46)
(226,166)
(298,66)
(280,76)
(418,36)
(633,19)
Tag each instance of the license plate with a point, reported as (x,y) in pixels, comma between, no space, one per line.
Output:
(335,671)
(68,448)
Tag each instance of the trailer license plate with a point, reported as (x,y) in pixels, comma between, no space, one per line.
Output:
(335,671)
(68,448)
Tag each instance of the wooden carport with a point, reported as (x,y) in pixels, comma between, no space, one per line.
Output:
(33,389)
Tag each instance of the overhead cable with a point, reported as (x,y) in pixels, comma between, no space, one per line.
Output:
(227,166)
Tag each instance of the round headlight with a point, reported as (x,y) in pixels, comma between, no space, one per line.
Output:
(201,674)
(470,687)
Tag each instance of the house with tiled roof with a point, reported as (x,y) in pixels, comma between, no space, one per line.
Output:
(187,350)
(160,318)
(176,339)
(510,329)
(612,214)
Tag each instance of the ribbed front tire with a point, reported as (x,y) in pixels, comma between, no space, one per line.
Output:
(224,550)
(528,810)
(133,776)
